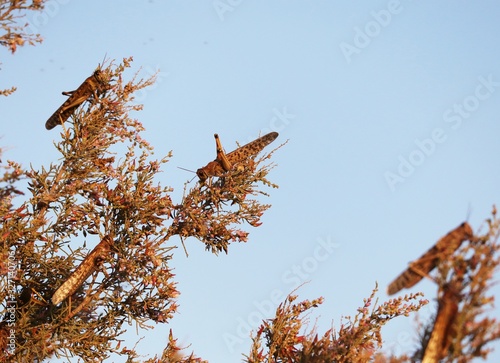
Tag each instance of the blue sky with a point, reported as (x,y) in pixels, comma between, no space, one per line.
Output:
(391,109)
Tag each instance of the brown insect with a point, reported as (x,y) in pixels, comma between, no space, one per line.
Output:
(94,85)
(83,271)
(224,162)
(421,267)
(444,329)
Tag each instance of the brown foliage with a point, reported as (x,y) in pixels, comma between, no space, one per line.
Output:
(461,329)
(104,188)
(85,197)
(212,212)
(281,339)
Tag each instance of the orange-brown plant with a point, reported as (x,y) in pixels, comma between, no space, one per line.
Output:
(282,338)
(462,330)
(104,192)
(104,188)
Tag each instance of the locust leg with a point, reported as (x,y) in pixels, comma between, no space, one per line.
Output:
(69,93)
(74,104)
(421,272)
(221,155)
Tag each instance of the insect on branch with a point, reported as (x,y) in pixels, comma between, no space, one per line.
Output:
(89,265)
(225,162)
(95,85)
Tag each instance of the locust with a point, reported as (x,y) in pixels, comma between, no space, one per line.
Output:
(94,85)
(444,329)
(421,267)
(89,265)
(225,162)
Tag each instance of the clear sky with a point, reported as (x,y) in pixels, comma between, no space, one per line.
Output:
(391,109)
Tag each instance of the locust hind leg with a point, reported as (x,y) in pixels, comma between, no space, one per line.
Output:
(73,103)
(221,155)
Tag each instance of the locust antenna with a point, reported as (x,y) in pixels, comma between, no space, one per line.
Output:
(186,169)
(469,212)
(103,60)
(190,172)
